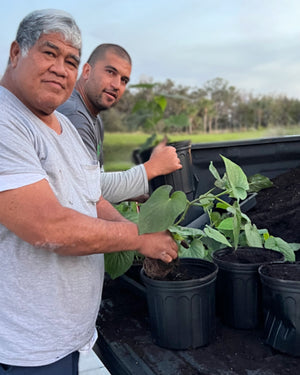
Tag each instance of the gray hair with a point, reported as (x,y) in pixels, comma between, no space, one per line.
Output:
(47,21)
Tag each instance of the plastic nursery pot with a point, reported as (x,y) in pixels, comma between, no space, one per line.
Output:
(281,306)
(238,291)
(182,313)
(181,179)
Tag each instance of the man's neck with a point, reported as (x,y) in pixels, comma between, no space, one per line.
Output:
(79,87)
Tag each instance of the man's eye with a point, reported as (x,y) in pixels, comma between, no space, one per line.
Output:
(72,63)
(50,53)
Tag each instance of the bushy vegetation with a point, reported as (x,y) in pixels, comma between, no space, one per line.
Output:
(215,107)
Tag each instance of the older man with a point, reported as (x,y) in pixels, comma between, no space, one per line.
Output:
(100,86)
(54,224)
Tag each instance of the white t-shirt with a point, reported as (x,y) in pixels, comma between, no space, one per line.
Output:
(48,303)
(116,186)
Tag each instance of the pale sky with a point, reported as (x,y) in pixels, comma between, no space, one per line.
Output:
(253,44)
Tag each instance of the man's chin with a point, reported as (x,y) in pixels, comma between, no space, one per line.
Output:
(105,106)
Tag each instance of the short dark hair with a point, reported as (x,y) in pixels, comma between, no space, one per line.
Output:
(100,51)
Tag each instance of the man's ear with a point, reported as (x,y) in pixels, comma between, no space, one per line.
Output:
(86,71)
(15,53)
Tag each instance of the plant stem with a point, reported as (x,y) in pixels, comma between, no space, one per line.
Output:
(196,202)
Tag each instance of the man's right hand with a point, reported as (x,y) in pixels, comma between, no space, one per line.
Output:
(160,245)
(163,160)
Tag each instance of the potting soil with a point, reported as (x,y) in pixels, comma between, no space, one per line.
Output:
(278,207)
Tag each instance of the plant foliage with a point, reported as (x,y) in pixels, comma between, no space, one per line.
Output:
(227,225)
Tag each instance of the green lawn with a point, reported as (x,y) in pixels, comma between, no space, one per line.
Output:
(118,147)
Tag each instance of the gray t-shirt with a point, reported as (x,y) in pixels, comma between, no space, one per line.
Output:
(116,186)
(48,302)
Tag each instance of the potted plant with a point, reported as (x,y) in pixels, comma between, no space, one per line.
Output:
(228,226)
(242,247)
(238,284)
(281,305)
(181,296)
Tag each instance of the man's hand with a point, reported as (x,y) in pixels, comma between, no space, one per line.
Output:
(163,160)
(158,245)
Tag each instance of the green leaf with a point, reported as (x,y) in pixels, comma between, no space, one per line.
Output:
(253,236)
(226,224)
(258,182)
(178,121)
(236,178)
(215,218)
(116,264)
(207,201)
(161,101)
(237,221)
(223,205)
(195,250)
(160,210)
(216,235)
(213,170)
(278,244)
(185,231)
(294,246)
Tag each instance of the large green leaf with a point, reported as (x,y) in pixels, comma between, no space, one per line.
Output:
(278,244)
(116,264)
(236,178)
(161,210)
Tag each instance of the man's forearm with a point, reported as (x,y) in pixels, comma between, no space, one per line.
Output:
(106,211)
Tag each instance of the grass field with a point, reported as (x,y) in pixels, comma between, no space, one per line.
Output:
(118,147)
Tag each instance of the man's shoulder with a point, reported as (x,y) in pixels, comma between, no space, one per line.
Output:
(72,105)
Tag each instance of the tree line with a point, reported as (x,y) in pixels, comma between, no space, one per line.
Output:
(217,106)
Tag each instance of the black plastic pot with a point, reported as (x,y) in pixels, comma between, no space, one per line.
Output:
(281,306)
(238,292)
(182,313)
(181,179)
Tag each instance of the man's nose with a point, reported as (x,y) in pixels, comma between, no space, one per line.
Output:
(116,82)
(59,67)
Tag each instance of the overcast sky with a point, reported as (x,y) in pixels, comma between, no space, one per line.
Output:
(253,44)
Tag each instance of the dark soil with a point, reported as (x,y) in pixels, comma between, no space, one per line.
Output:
(278,208)
(158,270)
(250,255)
(173,271)
(283,272)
